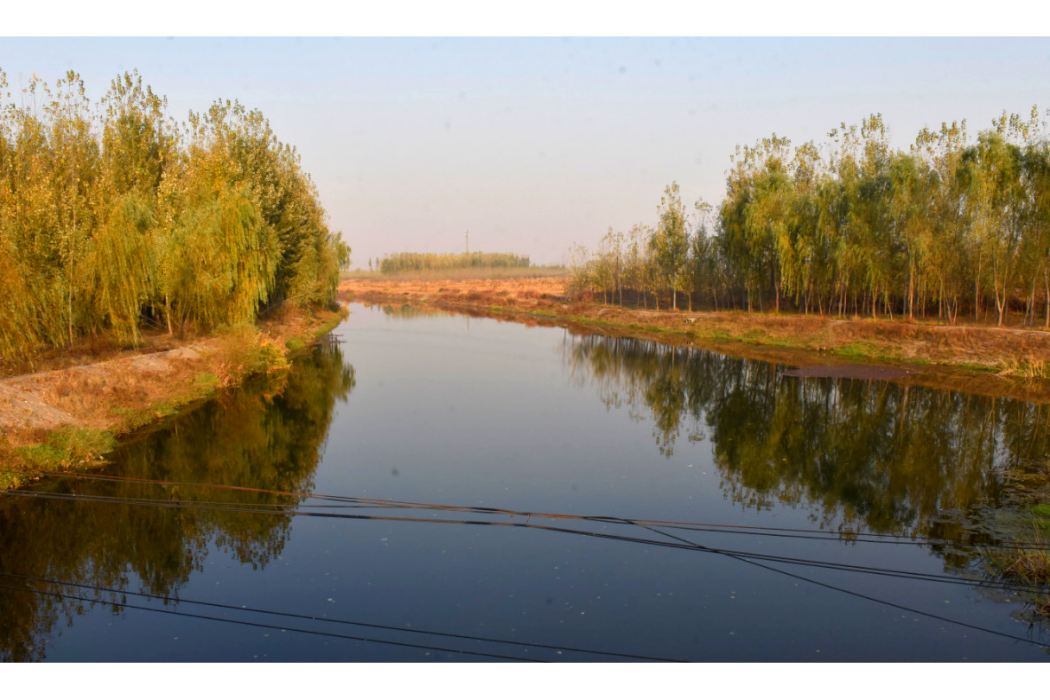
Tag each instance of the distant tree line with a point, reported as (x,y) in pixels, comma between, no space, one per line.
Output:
(406,262)
(949,227)
(114,217)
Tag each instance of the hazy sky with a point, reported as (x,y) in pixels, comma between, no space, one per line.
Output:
(534,144)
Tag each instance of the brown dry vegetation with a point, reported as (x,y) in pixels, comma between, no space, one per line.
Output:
(977,359)
(466,273)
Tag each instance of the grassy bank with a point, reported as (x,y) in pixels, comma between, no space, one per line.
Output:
(72,417)
(978,359)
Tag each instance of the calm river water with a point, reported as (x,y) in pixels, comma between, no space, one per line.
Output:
(831,519)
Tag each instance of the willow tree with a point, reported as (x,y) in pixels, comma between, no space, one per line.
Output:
(805,252)
(701,263)
(912,186)
(112,217)
(670,241)
(73,168)
(1028,135)
(875,229)
(220,260)
(761,194)
(139,149)
(633,261)
(872,233)
(992,171)
(1037,169)
(287,200)
(950,250)
(121,266)
(25,319)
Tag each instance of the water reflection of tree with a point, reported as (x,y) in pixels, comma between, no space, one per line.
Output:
(889,457)
(269,435)
(408,312)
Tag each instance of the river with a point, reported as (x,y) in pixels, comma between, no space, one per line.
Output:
(737,513)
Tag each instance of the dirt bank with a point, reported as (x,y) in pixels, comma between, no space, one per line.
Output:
(66,417)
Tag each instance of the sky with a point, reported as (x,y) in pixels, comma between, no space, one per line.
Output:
(534,145)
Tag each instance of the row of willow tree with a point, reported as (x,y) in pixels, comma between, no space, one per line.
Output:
(114,217)
(854,227)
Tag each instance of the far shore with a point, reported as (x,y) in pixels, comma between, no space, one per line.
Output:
(988,360)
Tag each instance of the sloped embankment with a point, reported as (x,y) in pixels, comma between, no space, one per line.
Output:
(71,416)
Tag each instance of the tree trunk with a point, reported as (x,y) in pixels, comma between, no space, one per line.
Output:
(911,291)
(167,312)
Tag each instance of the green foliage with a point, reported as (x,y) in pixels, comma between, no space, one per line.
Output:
(223,261)
(113,216)
(206,380)
(670,242)
(121,266)
(68,447)
(856,228)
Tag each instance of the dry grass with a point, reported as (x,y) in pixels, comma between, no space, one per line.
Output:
(89,351)
(1027,565)
(1031,565)
(243,350)
(94,395)
(1025,368)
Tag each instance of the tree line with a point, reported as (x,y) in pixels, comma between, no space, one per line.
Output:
(115,217)
(950,226)
(414,262)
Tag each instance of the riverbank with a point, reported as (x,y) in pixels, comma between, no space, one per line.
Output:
(976,359)
(57,419)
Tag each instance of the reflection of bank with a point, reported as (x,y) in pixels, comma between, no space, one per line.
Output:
(890,458)
(268,435)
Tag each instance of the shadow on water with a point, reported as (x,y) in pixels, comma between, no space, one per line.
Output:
(268,435)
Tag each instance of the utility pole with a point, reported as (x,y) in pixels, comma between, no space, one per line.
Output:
(466,237)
